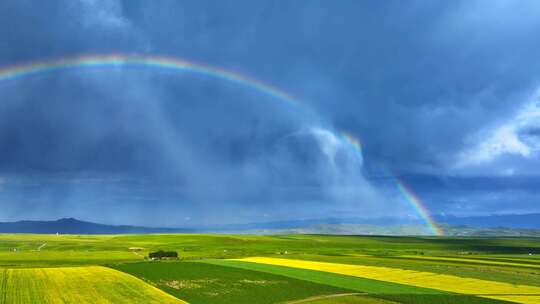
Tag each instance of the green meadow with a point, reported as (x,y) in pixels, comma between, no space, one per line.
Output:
(205,272)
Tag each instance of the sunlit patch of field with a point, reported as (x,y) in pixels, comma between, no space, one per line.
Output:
(483,288)
(93,284)
(48,258)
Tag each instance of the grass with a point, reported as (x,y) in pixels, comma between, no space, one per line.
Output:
(205,283)
(482,288)
(93,284)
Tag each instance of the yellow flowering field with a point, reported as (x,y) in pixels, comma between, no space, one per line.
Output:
(92,284)
(484,288)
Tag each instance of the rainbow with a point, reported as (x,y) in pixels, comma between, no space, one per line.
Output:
(167,63)
(354,143)
(412,199)
(419,207)
(180,65)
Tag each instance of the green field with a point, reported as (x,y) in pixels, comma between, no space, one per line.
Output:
(205,273)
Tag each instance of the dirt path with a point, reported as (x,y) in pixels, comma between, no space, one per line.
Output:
(40,247)
(324,297)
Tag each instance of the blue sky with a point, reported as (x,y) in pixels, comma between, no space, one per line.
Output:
(444,95)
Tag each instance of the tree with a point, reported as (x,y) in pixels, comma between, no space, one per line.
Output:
(163,254)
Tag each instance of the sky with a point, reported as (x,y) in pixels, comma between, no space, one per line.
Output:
(443,96)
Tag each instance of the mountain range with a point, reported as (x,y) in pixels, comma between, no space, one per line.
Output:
(74,226)
(513,224)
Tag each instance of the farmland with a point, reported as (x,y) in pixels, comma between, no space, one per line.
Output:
(376,289)
(92,284)
(484,288)
(271,269)
(344,299)
(207,283)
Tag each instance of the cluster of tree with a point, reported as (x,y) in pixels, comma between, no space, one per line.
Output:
(163,255)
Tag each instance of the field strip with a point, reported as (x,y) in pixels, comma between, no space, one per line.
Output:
(359,284)
(472,261)
(376,289)
(528,261)
(324,297)
(92,284)
(488,289)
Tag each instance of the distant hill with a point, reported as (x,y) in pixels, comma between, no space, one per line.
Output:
(520,221)
(491,225)
(513,221)
(74,226)
(489,231)
(395,230)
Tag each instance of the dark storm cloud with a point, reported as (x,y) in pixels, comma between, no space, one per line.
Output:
(422,76)
(33,30)
(439,71)
(415,81)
